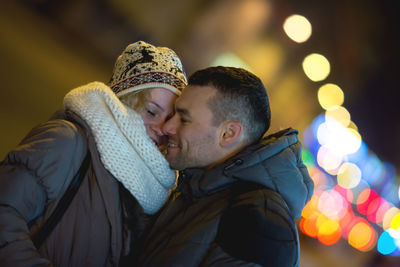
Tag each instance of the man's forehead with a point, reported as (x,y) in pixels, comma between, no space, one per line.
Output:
(194,99)
(196,93)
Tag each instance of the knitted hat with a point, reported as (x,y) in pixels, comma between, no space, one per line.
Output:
(142,66)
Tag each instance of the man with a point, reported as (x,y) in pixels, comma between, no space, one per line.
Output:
(238,194)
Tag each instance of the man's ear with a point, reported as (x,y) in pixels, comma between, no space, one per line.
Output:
(231,131)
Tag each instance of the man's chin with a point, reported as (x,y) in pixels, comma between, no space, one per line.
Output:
(173,164)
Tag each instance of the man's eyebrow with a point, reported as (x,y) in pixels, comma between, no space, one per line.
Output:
(184,112)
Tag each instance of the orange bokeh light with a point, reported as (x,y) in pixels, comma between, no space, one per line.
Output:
(311,207)
(308,226)
(362,236)
(347,222)
(329,232)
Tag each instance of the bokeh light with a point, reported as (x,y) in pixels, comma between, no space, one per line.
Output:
(231,60)
(332,205)
(389,216)
(398,192)
(359,157)
(319,177)
(382,210)
(373,209)
(366,197)
(323,134)
(329,232)
(362,236)
(353,126)
(338,139)
(308,158)
(328,159)
(395,222)
(330,95)
(386,244)
(349,175)
(347,222)
(346,193)
(373,169)
(395,234)
(298,28)
(316,67)
(337,114)
(309,226)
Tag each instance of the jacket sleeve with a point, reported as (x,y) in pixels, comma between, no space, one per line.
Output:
(33,175)
(257,228)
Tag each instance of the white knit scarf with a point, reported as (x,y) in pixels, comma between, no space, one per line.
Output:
(124,147)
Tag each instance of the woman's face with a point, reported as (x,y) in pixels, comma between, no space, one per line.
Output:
(156,111)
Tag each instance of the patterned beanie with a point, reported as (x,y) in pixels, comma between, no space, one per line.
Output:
(142,66)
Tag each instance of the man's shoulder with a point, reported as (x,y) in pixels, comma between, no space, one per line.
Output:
(257,227)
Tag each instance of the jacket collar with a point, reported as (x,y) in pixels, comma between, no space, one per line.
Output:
(274,162)
(201,182)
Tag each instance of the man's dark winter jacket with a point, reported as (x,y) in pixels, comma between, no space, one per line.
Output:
(239,213)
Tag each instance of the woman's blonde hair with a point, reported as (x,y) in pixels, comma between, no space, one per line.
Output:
(137,99)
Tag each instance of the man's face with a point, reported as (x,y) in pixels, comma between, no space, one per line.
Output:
(192,139)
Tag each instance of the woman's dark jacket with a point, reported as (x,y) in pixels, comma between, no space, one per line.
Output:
(34,176)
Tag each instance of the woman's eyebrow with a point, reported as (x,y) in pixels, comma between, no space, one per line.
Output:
(157,105)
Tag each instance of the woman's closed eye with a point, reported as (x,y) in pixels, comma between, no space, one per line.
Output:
(151,112)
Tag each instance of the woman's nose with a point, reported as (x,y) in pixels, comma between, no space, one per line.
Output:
(157,128)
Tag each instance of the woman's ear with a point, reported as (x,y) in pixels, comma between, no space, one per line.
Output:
(231,131)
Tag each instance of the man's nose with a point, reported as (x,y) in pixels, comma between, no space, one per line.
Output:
(169,127)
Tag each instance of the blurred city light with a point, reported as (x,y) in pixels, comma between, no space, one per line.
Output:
(362,236)
(231,60)
(395,224)
(389,216)
(336,114)
(349,175)
(329,232)
(345,203)
(298,28)
(316,67)
(339,140)
(330,95)
(386,244)
(355,194)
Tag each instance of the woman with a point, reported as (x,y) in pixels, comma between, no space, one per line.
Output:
(119,126)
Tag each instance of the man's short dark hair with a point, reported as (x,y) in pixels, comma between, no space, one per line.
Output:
(241,97)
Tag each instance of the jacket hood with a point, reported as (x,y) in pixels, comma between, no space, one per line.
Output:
(275,162)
